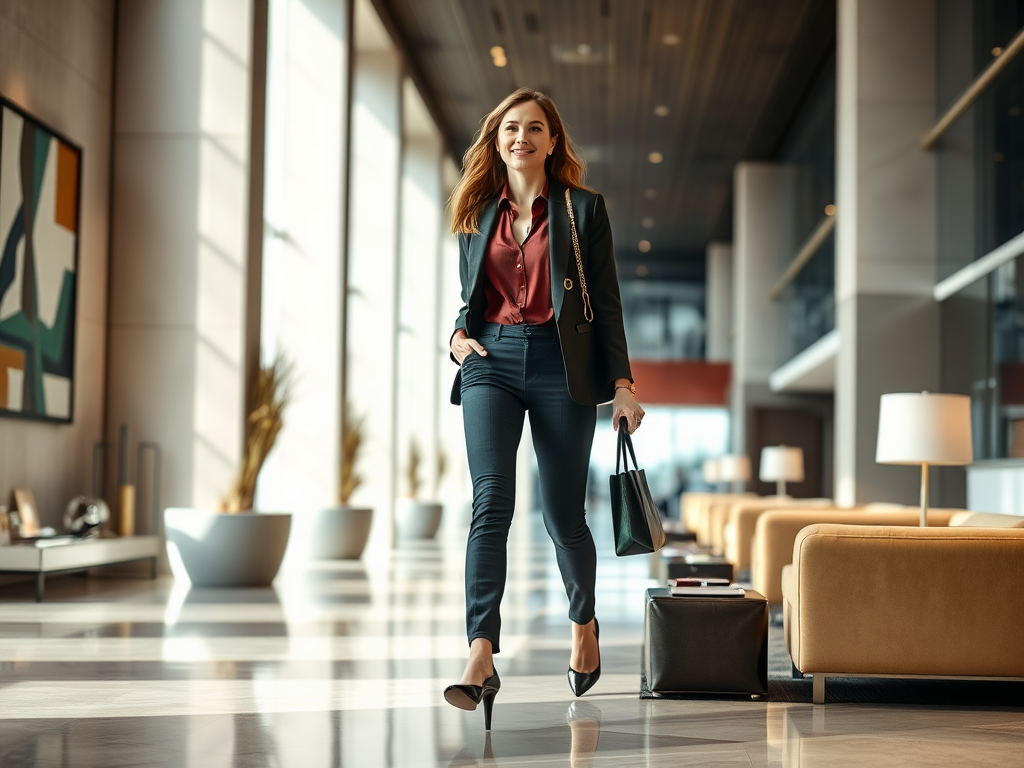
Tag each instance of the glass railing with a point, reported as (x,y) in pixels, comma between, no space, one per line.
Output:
(810,300)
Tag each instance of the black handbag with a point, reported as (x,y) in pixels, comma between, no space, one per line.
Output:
(636,521)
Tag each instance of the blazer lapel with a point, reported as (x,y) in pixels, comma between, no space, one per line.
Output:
(559,243)
(478,243)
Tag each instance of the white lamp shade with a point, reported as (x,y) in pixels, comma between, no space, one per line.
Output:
(712,471)
(734,469)
(924,428)
(781,462)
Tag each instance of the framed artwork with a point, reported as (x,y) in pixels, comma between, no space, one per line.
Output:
(40,191)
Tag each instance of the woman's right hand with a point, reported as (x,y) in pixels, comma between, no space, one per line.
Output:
(462,346)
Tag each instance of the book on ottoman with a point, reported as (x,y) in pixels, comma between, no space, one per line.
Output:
(706,644)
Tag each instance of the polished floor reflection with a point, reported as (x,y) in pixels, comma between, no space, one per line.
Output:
(343,664)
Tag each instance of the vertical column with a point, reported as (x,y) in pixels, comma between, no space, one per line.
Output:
(418,399)
(885,234)
(761,243)
(178,261)
(718,346)
(371,324)
(303,261)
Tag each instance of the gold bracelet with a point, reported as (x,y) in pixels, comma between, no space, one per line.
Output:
(630,387)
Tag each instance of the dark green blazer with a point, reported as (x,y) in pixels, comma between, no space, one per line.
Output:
(594,353)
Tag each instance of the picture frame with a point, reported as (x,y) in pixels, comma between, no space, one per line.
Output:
(28,513)
(40,187)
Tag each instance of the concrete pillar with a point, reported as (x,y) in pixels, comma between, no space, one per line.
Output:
(885,232)
(718,343)
(418,397)
(303,259)
(761,243)
(372,314)
(178,257)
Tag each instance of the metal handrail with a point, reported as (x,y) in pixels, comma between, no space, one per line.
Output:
(974,90)
(807,250)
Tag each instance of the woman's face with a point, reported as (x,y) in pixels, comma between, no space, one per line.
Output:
(524,138)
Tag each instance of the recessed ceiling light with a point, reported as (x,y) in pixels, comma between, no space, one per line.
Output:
(644,246)
(670,39)
(497,52)
(584,50)
(642,271)
(648,223)
(655,157)
(997,51)
(661,110)
(830,210)
(650,193)
(500,61)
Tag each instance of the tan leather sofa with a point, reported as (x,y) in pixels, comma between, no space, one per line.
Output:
(736,531)
(875,601)
(695,511)
(776,530)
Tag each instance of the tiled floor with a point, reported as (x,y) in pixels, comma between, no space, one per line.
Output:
(343,664)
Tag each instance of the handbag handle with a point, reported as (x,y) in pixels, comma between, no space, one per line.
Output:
(625,444)
(588,312)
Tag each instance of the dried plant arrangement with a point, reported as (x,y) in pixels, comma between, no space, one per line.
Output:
(441,468)
(352,436)
(412,470)
(269,396)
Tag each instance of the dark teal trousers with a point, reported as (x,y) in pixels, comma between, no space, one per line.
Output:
(522,374)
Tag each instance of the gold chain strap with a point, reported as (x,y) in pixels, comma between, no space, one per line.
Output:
(588,312)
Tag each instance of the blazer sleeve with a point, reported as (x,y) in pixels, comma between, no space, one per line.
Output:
(603,288)
(460,321)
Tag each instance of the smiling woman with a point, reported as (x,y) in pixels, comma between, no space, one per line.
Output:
(540,290)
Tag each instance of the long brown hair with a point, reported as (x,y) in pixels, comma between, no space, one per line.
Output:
(484,173)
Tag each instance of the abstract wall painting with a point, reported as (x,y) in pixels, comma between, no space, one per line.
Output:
(40,184)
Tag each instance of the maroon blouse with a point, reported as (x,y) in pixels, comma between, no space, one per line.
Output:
(518,287)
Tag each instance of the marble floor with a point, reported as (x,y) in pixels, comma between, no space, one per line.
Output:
(343,664)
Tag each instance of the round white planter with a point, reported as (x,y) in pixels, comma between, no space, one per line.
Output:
(339,533)
(220,550)
(417,519)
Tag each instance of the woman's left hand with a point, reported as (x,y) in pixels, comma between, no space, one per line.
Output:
(626,405)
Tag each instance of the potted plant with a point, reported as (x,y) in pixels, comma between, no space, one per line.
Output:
(417,519)
(340,532)
(235,546)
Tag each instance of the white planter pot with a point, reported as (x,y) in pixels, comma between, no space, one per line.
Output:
(339,533)
(220,550)
(417,519)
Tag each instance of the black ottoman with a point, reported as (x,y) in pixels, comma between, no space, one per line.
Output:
(706,644)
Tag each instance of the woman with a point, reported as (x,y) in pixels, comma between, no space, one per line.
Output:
(537,337)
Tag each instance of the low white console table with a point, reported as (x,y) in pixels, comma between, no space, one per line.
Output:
(77,555)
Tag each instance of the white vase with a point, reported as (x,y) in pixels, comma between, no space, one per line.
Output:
(222,550)
(339,533)
(417,519)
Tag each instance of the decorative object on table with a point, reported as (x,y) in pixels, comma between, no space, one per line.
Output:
(781,464)
(927,429)
(340,532)
(39,233)
(242,548)
(735,470)
(636,522)
(85,516)
(5,527)
(125,490)
(416,519)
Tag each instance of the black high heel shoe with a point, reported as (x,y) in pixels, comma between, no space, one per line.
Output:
(581,682)
(468,697)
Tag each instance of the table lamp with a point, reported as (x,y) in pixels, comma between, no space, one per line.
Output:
(781,464)
(712,472)
(926,429)
(734,469)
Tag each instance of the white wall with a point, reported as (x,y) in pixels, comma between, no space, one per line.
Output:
(56,62)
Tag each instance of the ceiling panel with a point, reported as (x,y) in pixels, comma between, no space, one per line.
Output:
(723,68)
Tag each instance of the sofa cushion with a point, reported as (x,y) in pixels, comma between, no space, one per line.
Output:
(985,520)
